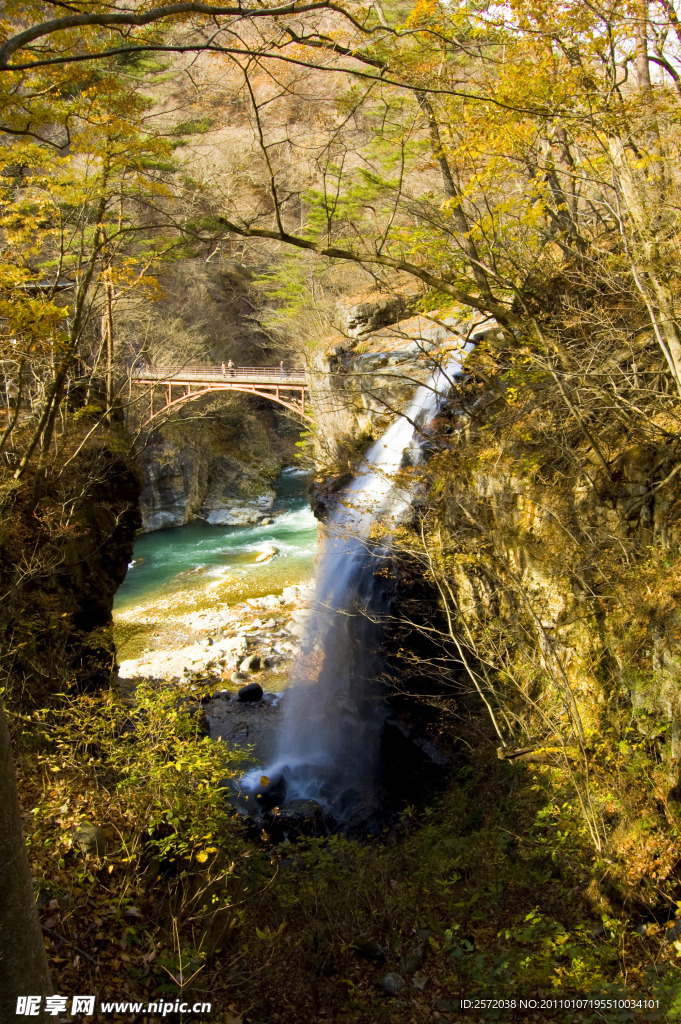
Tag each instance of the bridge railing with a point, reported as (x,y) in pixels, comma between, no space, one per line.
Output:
(215,374)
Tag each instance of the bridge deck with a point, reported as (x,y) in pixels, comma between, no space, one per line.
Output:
(214,375)
(288,388)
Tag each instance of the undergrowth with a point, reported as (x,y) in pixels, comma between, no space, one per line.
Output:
(143,916)
(492,892)
(499,885)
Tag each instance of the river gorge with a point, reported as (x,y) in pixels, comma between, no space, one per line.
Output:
(189,573)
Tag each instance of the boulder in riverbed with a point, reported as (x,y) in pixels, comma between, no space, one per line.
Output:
(267,554)
(218,512)
(271,792)
(250,693)
(253,663)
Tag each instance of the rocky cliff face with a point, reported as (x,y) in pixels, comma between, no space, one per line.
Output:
(64,555)
(555,549)
(538,592)
(221,470)
(183,483)
(366,374)
(363,377)
(364,318)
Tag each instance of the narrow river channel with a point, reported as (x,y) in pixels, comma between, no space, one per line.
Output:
(180,574)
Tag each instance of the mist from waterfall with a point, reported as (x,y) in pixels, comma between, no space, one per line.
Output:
(333,713)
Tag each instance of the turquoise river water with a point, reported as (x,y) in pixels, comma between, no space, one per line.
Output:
(176,574)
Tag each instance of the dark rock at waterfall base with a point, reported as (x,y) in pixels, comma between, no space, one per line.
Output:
(271,793)
(273,813)
(303,812)
(413,767)
(287,820)
(297,818)
(250,693)
(354,810)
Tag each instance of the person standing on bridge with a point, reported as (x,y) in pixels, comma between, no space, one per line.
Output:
(282,371)
(230,367)
(224,369)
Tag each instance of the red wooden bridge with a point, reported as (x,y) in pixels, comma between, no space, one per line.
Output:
(177,385)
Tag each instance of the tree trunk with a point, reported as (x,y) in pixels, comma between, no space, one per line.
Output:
(109,345)
(23,963)
(642,64)
(675,756)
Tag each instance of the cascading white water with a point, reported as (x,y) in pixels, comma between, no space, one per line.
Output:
(328,744)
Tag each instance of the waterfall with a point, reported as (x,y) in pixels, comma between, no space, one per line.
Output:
(333,716)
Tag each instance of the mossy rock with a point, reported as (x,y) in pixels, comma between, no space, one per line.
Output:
(90,839)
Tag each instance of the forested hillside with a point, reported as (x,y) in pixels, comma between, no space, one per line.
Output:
(361,190)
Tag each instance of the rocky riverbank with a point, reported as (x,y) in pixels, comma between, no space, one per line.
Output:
(236,665)
(230,643)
